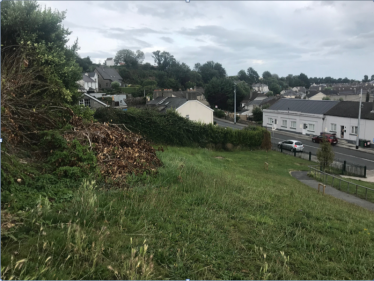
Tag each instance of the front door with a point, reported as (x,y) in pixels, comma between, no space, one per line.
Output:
(342,132)
(305,127)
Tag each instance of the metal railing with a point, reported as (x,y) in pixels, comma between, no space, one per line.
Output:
(338,166)
(359,190)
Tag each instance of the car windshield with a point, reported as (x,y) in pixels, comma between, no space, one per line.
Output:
(333,137)
(298,143)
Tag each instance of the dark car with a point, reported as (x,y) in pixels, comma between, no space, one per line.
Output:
(331,138)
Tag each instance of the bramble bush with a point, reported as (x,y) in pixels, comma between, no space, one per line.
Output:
(171,129)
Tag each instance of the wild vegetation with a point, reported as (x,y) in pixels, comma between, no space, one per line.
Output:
(207,215)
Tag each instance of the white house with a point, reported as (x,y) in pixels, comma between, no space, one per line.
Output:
(89,81)
(92,102)
(261,88)
(191,109)
(297,115)
(109,62)
(317,96)
(342,119)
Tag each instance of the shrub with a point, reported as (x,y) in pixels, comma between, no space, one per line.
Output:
(219,113)
(257,114)
(171,129)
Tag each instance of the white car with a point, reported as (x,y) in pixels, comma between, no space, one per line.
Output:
(293,145)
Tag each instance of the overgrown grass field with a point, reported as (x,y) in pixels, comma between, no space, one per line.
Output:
(206,215)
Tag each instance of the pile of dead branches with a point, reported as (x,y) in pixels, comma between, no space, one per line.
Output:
(119,151)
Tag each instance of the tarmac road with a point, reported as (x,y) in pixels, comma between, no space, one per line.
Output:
(357,157)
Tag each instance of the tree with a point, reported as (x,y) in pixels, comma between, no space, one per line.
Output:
(86,64)
(266,75)
(305,80)
(326,98)
(253,76)
(325,154)
(221,92)
(269,94)
(210,70)
(275,88)
(130,58)
(163,59)
(372,77)
(257,114)
(366,78)
(40,33)
(116,87)
(242,76)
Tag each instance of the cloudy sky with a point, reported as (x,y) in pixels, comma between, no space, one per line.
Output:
(317,38)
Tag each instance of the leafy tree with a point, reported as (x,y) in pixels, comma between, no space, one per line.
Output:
(210,70)
(326,98)
(115,87)
(305,80)
(41,34)
(372,77)
(163,59)
(221,92)
(269,94)
(366,78)
(130,58)
(257,114)
(86,64)
(242,76)
(325,154)
(275,88)
(253,76)
(266,75)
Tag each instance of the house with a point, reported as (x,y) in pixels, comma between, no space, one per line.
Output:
(89,81)
(189,108)
(298,115)
(299,89)
(248,108)
(109,62)
(315,96)
(199,91)
(92,102)
(342,119)
(106,76)
(261,88)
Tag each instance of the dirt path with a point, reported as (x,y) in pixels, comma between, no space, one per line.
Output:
(303,177)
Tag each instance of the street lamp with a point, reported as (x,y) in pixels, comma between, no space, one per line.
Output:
(234,103)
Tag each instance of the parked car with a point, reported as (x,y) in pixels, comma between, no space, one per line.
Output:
(331,138)
(293,145)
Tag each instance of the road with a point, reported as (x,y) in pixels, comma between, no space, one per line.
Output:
(358,157)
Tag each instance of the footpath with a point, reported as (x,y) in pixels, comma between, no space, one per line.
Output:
(303,177)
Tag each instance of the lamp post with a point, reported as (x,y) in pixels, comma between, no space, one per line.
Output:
(358,125)
(234,103)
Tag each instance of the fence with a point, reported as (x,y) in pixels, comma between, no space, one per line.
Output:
(339,166)
(342,184)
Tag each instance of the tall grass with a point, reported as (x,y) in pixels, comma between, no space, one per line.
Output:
(206,215)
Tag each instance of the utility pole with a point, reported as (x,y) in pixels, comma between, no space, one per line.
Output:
(234,103)
(359,117)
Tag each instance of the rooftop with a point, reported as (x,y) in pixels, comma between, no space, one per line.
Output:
(305,106)
(350,109)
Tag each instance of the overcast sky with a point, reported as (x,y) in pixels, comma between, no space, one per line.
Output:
(317,38)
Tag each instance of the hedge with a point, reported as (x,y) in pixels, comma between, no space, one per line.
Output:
(129,90)
(171,129)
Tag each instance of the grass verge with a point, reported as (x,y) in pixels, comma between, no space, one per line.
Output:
(206,215)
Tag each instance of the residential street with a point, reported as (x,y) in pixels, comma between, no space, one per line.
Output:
(359,157)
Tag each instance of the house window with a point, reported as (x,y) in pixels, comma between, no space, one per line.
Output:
(333,127)
(188,117)
(284,123)
(87,102)
(270,120)
(81,102)
(354,130)
(311,127)
(293,124)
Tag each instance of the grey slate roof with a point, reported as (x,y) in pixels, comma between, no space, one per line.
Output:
(167,103)
(304,106)
(86,78)
(350,109)
(109,73)
(91,74)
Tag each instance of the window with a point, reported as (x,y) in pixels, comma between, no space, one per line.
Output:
(311,127)
(81,102)
(188,117)
(87,102)
(293,124)
(284,123)
(333,127)
(270,120)
(354,130)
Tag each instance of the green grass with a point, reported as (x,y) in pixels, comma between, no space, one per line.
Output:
(350,187)
(201,217)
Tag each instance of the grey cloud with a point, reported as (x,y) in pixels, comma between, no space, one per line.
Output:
(167,39)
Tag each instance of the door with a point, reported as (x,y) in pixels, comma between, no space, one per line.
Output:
(342,132)
(305,127)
